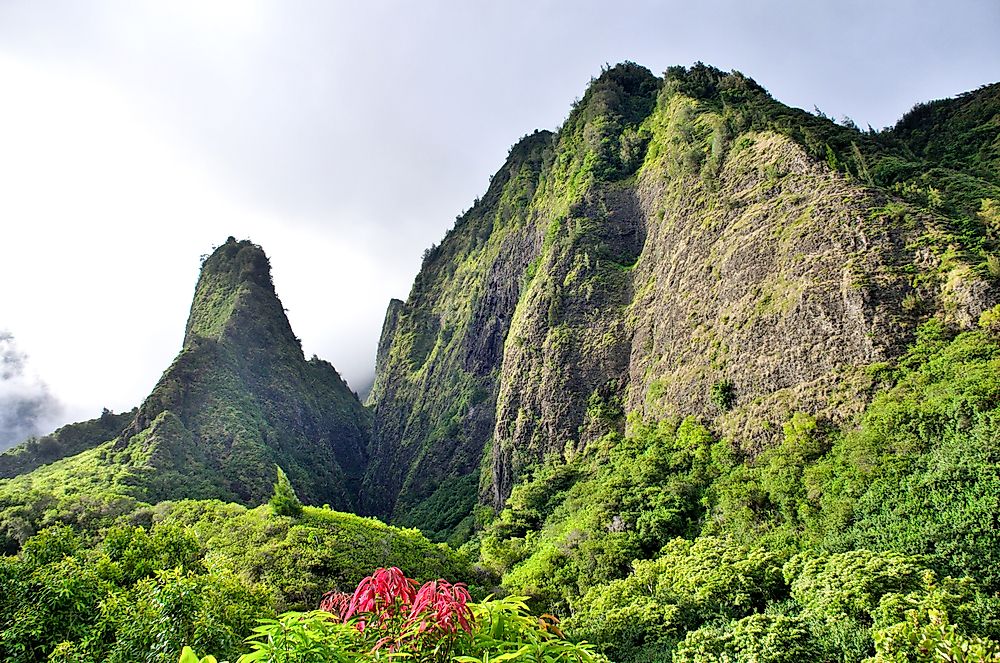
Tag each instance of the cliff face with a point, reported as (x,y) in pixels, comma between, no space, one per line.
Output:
(680,246)
(438,361)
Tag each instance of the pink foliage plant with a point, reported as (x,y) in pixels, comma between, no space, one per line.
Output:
(403,616)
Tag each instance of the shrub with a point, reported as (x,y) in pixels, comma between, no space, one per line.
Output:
(760,638)
(391,613)
(691,583)
(284,501)
(723,395)
(928,637)
(838,594)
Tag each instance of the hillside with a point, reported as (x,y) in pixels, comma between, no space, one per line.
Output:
(67,441)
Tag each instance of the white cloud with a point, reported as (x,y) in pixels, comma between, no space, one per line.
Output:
(104,223)
(26,406)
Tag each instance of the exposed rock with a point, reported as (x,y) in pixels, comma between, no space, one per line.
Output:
(680,246)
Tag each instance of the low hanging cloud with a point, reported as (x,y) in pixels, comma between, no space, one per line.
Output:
(26,406)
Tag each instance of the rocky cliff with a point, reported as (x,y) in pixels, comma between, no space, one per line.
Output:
(684,245)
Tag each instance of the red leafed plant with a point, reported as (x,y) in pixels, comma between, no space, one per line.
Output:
(392,613)
(443,606)
(383,595)
(336,603)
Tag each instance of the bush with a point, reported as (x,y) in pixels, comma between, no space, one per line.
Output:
(759,638)
(928,637)
(284,501)
(723,395)
(691,583)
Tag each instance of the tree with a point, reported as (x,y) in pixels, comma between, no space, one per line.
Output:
(284,501)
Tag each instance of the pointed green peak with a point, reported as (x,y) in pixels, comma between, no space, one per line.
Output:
(235,283)
(239,261)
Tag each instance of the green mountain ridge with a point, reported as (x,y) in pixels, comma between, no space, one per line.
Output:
(678,243)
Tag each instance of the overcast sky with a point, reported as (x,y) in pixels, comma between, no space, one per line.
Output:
(344,138)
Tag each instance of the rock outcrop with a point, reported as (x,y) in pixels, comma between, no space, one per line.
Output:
(682,246)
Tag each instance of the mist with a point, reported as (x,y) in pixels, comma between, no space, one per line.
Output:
(27,407)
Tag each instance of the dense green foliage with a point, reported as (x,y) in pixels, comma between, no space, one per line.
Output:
(197,573)
(839,538)
(960,134)
(138,595)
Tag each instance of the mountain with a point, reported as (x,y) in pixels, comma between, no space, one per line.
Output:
(238,399)
(705,376)
(683,245)
(712,378)
(241,397)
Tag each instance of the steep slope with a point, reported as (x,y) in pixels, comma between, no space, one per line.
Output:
(238,399)
(439,354)
(681,246)
(241,397)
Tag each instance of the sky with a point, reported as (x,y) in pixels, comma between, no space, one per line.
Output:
(344,138)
